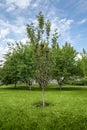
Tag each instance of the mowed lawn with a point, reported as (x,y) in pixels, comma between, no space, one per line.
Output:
(67,109)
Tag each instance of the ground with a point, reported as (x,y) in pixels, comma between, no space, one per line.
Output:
(67,109)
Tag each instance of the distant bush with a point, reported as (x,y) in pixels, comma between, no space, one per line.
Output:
(77,82)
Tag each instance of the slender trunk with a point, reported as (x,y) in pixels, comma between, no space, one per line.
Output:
(30,87)
(40,85)
(26,84)
(60,87)
(15,85)
(30,84)
(43,103)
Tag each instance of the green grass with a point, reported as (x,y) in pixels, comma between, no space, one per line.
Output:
(67,112)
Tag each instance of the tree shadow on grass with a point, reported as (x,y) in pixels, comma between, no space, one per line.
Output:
(68,88)
(13,88)
(74,88)
(36,88)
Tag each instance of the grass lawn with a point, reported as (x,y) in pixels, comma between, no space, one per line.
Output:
(67,112)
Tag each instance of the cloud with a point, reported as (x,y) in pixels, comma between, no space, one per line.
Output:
(11,8)
(1,4)
(3,50)
(62,24)
(7,28)
(35,4)
(82,21)
(11,32)
(7,40)
(67,37)
(64,28)
(65,24)
(24,40)
(4,33)
(78,56)
(81,6)
(19,3)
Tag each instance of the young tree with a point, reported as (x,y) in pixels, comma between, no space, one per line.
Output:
(40,38)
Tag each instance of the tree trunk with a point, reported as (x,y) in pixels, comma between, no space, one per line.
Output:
(30,87)
(40,85)
(26,84)
(43,103)
(60,87)
(15,85)
(30,84)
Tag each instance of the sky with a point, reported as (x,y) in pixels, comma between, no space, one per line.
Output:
(68,16)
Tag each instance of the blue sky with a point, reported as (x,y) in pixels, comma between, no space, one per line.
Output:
(69,16)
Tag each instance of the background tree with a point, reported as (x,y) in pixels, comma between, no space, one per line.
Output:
(1,74)
(82,67)
(19,64)
(27,65)
(84,63)
(64,63)
(10,70)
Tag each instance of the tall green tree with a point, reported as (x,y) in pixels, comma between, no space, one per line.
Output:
(1,74)
(40,38)
(19,64)
(10,69)
(84,63)
(82,67)
(64,63)
(27,65)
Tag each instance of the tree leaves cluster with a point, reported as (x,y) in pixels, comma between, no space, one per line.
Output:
(18,65)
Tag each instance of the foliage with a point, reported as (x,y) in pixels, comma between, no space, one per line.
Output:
(26,65)
(19,64)
(39,38)
(84,63)
(64,62)
(10,70)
